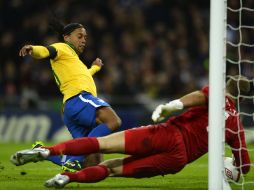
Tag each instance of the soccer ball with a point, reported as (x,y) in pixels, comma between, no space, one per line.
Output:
(230,171)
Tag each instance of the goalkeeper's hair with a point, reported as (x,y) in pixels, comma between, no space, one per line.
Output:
(238,85)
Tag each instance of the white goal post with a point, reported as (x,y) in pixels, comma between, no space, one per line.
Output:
(231,46)
(217,72)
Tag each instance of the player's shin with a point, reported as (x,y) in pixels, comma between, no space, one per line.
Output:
(89,174)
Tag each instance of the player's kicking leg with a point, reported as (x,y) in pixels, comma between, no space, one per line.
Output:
(29,155)
(113,143)
(170,159)
(97,173)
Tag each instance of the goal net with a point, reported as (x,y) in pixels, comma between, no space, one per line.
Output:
(231,43)
(240,61)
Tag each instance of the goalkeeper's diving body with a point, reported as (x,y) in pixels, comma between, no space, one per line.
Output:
(159,149)
(84,113)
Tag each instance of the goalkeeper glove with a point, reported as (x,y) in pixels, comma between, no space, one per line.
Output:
(164,110)
(230,171)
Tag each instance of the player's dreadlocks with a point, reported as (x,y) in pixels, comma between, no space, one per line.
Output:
(62,29)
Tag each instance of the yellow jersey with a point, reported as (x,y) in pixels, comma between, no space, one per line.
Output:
(71,74)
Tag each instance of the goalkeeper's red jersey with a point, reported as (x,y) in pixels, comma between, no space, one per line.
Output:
(193,124)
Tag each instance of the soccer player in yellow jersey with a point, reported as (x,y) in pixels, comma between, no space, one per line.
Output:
(84,113)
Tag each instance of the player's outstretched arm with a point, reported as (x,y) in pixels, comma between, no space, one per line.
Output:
(26,50)
(162,111)
(37,52)
(240,152)
(96,66)
(196,98)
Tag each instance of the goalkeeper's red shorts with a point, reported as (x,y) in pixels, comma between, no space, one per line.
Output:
(155,150)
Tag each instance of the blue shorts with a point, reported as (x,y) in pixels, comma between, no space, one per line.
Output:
(80,113)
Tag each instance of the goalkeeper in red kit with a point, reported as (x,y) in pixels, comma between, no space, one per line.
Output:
(159,149)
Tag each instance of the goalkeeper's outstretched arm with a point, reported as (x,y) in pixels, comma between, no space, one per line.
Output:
(240,152)
(162,111)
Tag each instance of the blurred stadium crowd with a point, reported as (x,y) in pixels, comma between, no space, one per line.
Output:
(151,49)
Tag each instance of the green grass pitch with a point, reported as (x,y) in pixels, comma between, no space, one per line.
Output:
(33,175)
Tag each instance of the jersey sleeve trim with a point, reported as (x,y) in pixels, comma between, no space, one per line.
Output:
(205,90)
(52,52)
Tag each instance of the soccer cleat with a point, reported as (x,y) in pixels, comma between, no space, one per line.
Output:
(71,166)
(59,181)
(37,144)
(30,155)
